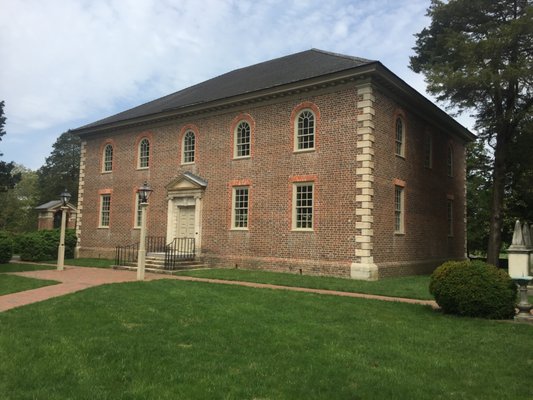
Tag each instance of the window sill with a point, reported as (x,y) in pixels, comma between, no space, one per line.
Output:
(296,151)
(239,229)
(103,227)
(106,172)
(399,233)
(302,230)
(188,163)
(142,168)
(241,158)
(400,156)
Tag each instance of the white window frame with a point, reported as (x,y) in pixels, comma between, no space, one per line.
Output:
(298,223)
(104,217)
(302,136)
(240,208)
(144,153)
(399,136)
(399,210)
(188,154)
(107,158)
(242,148)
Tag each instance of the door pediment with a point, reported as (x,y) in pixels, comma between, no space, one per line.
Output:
(186,182)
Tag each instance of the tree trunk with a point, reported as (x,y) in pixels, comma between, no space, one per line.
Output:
(498,192)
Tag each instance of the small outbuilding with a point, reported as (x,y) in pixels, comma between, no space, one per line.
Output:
(50,215)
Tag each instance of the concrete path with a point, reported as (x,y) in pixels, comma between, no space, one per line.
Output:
(74,279)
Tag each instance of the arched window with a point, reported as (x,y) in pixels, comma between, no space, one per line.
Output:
(242,140)
(144,153)
(189,143)
(449,161)
(400,137)
(305,131)
(107,158)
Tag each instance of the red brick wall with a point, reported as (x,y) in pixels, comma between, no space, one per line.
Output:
(269,241)
(425,242)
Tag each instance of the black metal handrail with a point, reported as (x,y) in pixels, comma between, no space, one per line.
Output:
(156,244)
(126,254)
(180,249)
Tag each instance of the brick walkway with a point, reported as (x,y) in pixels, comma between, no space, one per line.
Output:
(74,279)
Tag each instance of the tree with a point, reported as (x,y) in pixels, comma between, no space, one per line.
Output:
(61,169)
(17,213)
(478,179)
(478,55)
(8,179)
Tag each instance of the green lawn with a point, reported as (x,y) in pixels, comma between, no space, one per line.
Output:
(189,340)
(13,267)
(414,287)
(14,283)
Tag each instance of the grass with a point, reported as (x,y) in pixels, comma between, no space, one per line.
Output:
(188,340)
(13,283)
(14,267)
(414,287)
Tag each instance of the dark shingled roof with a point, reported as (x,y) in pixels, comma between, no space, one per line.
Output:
(269,74)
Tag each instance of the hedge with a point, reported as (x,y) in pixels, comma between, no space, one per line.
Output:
(43,245)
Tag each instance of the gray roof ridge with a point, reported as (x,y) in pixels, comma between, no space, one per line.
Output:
(345,56)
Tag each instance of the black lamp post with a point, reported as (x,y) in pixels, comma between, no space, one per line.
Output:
(144,192)
(65,197)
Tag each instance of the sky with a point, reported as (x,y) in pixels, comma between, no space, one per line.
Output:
(67,63)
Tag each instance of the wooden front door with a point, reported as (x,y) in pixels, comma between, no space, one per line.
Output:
(186,222)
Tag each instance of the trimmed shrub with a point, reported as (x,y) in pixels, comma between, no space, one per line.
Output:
(6,247)
(43,245)
(473,289)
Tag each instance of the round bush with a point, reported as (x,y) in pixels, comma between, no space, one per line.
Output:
(473,289)
(6,247)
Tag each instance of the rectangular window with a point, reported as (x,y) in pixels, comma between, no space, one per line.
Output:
(449,216)
(138,211)
(105,209)
(303,206)
(240,208)
(398,209)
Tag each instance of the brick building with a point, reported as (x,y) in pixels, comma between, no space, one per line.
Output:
(315,163)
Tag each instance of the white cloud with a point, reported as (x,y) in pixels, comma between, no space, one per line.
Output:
(67,63)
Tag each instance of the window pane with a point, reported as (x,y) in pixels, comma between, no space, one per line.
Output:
(144,153)
(188,147)
(398,209)
(242,140)
(108,158)
(105,208)
(304,206)
(399,137)
(306,131)
(240,207)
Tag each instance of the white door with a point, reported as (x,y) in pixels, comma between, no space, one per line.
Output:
(186,222)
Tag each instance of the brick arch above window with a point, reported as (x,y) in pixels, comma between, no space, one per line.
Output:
(400,133)
(189,150)
(305,123)
(242,138)
(143,150)
(107,155)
